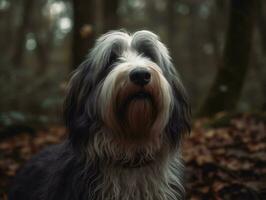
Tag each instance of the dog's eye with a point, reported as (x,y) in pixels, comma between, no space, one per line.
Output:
(149,53)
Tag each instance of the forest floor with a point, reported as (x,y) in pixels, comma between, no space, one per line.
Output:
(225,157)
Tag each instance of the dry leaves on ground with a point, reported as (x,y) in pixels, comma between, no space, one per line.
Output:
(223,160)
(227,162)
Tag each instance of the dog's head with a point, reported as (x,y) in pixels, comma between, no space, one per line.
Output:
(126,98)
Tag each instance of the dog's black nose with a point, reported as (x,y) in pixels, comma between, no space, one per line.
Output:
(140,76)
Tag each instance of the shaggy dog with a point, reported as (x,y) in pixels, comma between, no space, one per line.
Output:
(126,111)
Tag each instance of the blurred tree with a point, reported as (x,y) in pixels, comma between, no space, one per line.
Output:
(21,33)
(261,24)
(87,24)
(99,16)
(84,30)
(170,12)
(194,41)
(31,23)
(217,26)
(227,86)
(42,46)
(7,29)
(110,15)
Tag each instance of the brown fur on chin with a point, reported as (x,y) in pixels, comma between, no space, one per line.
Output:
(135,115)
(139,117)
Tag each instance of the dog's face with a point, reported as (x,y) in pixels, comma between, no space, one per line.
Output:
(126,99)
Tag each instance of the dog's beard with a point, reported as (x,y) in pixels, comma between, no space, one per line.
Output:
(139,117)
(134,117)
(136,113)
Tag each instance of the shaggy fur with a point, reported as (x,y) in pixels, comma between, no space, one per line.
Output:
(124,129)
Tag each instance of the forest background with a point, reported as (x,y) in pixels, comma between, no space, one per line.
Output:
(217,46)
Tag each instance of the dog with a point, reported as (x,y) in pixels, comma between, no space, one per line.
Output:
(126,111)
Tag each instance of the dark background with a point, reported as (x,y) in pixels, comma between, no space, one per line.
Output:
(218,47)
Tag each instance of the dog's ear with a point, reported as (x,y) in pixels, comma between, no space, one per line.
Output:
(179,121)
(76,113)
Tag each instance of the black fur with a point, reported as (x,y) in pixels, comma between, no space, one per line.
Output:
(54,174)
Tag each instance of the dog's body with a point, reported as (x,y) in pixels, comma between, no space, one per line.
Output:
(126,112)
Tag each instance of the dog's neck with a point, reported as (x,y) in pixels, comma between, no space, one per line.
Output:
(158,181)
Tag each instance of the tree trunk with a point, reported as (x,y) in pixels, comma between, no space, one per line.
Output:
(110,15)
(171,29)
(261,22)
(99,17)
(22,32)
(226,89)
(216,26)
(84,30)
(41,52)
(261,63)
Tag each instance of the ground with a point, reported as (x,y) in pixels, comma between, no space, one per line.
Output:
(225,157)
